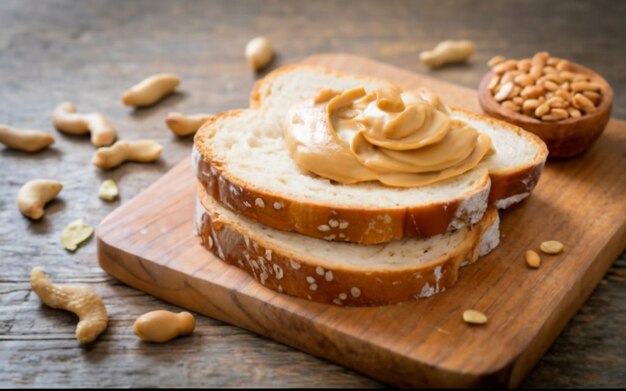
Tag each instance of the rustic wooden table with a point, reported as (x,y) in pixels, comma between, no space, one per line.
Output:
(88,52)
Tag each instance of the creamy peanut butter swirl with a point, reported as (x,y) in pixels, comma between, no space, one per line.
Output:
(402,139)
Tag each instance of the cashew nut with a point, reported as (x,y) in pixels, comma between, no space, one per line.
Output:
(259,52)
(447,52)
(86,304)
(162,326)
(185,125)
(143,151)
(151,90)
(24,140)
(35,194)
(67,120)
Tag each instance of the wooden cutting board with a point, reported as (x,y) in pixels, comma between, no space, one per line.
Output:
(148,244)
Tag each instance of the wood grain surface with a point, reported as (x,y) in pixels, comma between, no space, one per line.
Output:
(90,51)
(147,244)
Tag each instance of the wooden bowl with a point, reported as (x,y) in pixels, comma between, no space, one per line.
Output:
(566,138)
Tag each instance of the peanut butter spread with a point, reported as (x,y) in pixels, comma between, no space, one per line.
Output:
(402,139)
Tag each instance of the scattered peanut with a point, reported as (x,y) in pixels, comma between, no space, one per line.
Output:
(533,259)
(554,91)
(74,234)
(474,317)
(163,326)
(447,52)
(551,247)
(108,190)
(185,125)
(35,194)
(143,151)
(151,90)
(86,304)
(583,103)
(259,53)
(24,140)
(67,120)
(503,92)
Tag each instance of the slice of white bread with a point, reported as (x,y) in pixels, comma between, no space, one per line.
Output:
(242,161)
(342,273)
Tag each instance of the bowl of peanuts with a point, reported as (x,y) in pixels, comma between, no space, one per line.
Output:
(565,104)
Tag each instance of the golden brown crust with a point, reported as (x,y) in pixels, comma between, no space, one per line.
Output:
(299,275)
(509,182)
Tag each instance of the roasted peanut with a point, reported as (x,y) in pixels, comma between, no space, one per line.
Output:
(593,96)
(543,87)
(574,113)
(24,140)
(533,259)
(447,52)
(495,61)
(185,125)
(493,83)
(583,103)
(585,86)
(511,106)
(67,120)
(163,326)
(503,92)
(35,194)
(524,80)
(555,115)
(151,90)
(142,151)
(542,110)
(259,53)
(505,66)
(551,247)
(87,305)
(474,317)
(531,92)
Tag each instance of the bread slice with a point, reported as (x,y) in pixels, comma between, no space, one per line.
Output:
(242,161)
(342,273)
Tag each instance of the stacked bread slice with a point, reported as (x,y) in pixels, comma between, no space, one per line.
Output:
(356,244)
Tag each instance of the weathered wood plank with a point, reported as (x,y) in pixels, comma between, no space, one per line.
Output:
(90,51)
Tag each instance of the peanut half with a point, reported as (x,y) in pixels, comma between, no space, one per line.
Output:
(448,52)
(185,125)
(163,326)
(24,140)
(259,53)
(552,247)
(474,317)
(533,259)
(151,90)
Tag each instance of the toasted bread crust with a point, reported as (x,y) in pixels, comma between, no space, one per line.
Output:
(301,276)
